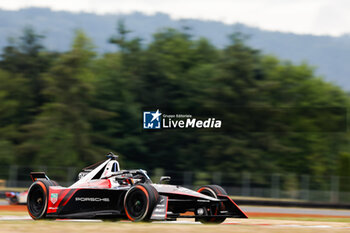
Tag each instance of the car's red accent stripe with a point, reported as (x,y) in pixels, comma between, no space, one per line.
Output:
(53,207)
(167,204)
(68,196)
(61,195)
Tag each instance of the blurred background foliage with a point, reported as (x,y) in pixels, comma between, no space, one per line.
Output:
(70,108)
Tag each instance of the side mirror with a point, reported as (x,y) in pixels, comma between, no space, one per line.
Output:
(164,179)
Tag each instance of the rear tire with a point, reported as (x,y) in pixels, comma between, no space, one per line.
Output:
(213,191)
(140,201)
(37,200)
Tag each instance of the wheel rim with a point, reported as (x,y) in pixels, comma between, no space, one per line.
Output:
(36,200)
(210,194)
(136,204)
(214,209)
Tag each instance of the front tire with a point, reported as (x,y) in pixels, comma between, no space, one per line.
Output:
(139,202)
(213,191)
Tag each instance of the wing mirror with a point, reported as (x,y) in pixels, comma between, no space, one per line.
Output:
(164,179)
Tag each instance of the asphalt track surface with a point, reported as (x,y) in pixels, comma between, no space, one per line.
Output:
(252,211)
(11,223)
(3,203)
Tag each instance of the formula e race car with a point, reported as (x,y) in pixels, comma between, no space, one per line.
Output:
(103,191)
(16,198)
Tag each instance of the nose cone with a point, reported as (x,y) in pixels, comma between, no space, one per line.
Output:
(174,189)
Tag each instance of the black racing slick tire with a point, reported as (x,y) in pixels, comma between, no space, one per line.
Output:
(37,200)
(213,191)
(139,202)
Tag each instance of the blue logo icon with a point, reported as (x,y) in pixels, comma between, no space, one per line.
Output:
(151,120)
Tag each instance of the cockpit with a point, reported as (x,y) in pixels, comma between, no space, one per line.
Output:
(131,177)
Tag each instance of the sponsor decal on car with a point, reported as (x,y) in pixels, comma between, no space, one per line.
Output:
(93,199)
(53,198)
(159,212)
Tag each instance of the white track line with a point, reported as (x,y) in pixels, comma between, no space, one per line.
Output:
(12,217)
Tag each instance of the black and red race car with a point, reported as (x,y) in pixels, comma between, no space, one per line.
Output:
(16,198)
(103,191)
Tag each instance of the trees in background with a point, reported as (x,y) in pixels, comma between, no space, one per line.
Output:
(68,109)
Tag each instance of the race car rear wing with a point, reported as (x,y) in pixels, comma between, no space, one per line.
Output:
(38,176)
